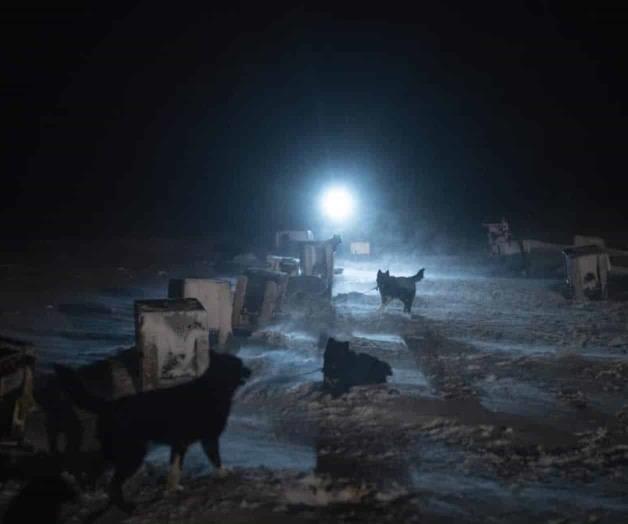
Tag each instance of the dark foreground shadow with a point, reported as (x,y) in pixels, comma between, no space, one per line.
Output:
(40,501)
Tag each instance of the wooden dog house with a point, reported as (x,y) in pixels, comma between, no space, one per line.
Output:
(587,269)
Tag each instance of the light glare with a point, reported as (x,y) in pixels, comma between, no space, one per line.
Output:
(337,203)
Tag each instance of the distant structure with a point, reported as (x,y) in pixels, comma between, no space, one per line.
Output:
(286,242)
(587,268)
(500,238)
(360,249)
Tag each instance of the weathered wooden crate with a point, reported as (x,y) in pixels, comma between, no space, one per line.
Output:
(317,259)
(259,294)
(215,296)
(587,269)
(287,242)
(172,337)
(288,265)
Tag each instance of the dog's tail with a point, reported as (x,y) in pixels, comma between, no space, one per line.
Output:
(71,384)
(419,276)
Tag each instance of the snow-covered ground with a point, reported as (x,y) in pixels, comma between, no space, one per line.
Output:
(507,401)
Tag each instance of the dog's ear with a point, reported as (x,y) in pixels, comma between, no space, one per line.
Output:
(387,272)
(379,272)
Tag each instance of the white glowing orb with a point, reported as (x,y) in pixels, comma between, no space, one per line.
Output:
(337,203)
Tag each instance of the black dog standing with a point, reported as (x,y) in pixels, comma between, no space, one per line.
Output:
(401,288)
(178,416)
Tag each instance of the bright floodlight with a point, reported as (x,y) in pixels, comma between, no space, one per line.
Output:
(337,203)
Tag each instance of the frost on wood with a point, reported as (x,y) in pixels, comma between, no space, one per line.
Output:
(172,337)
(215,296)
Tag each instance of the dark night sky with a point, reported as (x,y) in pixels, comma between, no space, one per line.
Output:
(177,120)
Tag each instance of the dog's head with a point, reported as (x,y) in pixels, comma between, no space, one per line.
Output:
(228,370)
(382,277)
(336,355)
(337,360)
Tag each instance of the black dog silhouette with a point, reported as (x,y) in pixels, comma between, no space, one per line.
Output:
(177,416)
(343,368)
(401,288)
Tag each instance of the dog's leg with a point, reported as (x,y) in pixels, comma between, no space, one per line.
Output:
(177,453)
(212,450)
(127,462)
(380,311)
(116,496)
(385,301)
(408,300)
(412,300)
(73,436)
(407,306)
(52,434)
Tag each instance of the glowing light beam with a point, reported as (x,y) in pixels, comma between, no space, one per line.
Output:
(337,204)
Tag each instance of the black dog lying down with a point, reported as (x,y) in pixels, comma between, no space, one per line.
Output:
(402,288)
(177,416)
(343,368)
